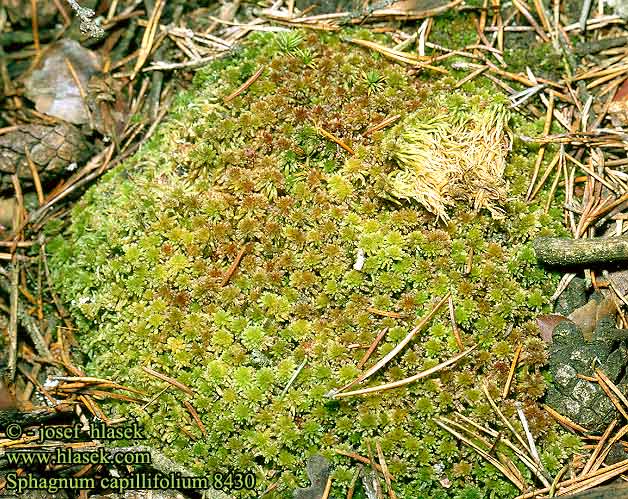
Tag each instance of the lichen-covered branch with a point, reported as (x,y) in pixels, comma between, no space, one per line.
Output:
(88,25)
(565,251)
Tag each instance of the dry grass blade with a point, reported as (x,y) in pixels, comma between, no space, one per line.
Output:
(411,379)
(383,124)
(589,481)
(395,55)
(195,417)
(505,470)
(399,347)
(521,7)
(245,85)
(233,267)
(385,313)
(598,449)
(539,159)
(410,15)
(522,455)
(605,384)
(168,379)
(454,326)
(364,460)
(371,349)
(604,454)
(511,373)
(327,489)
(96,381)
(335,139)
(504,419)
(149,37)
(382,461)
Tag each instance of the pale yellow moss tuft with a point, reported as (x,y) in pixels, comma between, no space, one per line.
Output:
(453,157)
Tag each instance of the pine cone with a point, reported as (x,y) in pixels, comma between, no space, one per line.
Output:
(51,148)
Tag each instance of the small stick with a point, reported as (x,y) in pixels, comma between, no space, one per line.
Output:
(538,5)
(67,20)
(149,37)
(402,14)
(335,139)
(511,373)
(232,268)
(555,161)
(393,54)
(611,390)
(168,379)
(195,417)
(293,377)
(561,161)
(245,85)
(372,348)
(521,454)
(15,276)
(504,419)
(495,443)
(470,76)
(354,479)
(97,381)
(81,90)
(592,482)
(567,252)
(364,460)
(584,14)
(94,408)
(521,7)
(35,26)
(36,179)
(622,465)
(385,313)
(11,256)
(327,489)
(381,125)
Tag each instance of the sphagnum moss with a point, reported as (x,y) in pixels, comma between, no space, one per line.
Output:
(144,263)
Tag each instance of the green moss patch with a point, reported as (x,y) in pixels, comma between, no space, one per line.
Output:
(143,268)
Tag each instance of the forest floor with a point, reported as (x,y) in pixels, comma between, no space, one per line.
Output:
(84,86)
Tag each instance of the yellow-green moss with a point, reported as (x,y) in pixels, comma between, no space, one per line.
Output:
(143,263)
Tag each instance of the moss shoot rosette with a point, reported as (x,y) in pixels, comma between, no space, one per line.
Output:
(143,268)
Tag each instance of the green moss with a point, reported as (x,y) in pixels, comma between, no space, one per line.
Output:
(142,269)
(453,30)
